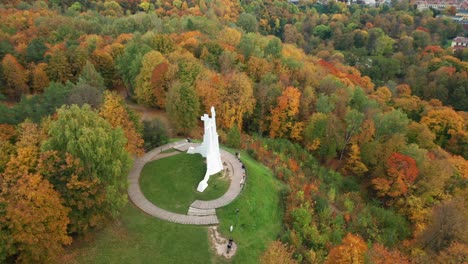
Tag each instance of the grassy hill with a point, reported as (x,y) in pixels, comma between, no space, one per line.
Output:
(138,238)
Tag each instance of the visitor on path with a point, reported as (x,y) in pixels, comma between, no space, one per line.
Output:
(229,245)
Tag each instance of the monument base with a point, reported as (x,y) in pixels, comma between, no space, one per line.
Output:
(191,150)
(202,186)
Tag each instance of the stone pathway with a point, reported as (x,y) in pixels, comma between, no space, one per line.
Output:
(200,212)
(236,173)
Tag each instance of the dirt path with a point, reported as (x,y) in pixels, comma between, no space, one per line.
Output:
(219,243)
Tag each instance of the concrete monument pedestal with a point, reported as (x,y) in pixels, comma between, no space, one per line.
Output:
(209,149)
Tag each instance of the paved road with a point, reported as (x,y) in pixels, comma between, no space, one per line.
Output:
(136,195)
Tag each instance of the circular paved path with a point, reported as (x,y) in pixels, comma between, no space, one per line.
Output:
(200,212)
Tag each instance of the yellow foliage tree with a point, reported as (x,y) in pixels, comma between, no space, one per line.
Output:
(37,221)
(113,110)
(144,90)
(354,165)
(284,115)
(352,251)
(277,253)
(236,100)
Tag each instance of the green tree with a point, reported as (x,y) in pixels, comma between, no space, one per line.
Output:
(274,48)
(234,137)
(130,62)
(248,22)
(100,149)
(183,106)
(154,133)
(90,76)
(35,50)
(391,123)
(322,31)
(420,39)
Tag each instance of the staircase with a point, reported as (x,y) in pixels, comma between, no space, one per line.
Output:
(201,212)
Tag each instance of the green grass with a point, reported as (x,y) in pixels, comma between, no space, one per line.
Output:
(139,238)
(259,220)
(171,182)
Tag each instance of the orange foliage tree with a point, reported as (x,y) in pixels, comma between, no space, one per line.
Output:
(351,250)
(401,173)
(378,254)
(284,115)
(15,77)
(33,215)
(208,86)
(39,78)
(36,220)
(114,111)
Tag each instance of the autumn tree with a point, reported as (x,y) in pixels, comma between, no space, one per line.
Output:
(277,253)
(104,64)
(114,111)
(401,173)
(378,254)
(80,192)
(58,68)
(448,225)
(100,149)
(15,77)
(351,250)
(144,88)
(37,223)
(284,116)
(39,78)
(445,123)
(208,86)
(32,213)
(236,100)
(455,253)
(354,165)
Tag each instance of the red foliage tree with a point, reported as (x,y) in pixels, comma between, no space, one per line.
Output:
(401,173)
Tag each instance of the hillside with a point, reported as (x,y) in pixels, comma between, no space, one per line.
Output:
(360,111)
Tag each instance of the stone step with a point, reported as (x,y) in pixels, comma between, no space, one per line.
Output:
(201,212)
(182,147)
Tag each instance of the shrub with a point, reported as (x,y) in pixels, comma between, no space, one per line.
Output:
(154,133)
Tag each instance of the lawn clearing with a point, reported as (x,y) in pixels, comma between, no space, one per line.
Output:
(259,220)
(171,183)
(139,238)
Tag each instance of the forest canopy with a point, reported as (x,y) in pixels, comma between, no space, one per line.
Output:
(361,111)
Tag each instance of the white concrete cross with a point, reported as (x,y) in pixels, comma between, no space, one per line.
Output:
(209,149)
